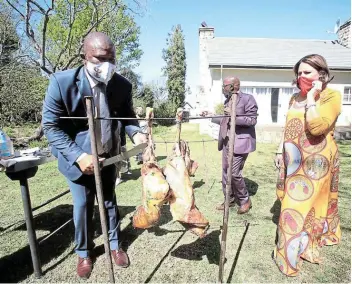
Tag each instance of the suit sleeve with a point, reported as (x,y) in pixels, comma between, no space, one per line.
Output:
(329,109)
(53,109)
(131,126)
(251,109)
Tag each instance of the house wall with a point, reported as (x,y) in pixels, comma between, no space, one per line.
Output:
(266,80)
(205,33)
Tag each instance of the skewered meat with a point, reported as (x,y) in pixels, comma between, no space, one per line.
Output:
(155,187)
(181,197)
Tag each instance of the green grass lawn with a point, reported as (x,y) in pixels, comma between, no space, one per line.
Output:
(167,253)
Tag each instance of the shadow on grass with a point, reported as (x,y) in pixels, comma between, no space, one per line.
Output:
(161,158)
(164,257)
(208,246)
(275,210)
(134,175)
(229,279)
(18,265)
(252,186)
(198,183)
(129,234)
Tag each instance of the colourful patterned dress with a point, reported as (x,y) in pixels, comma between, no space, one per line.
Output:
(308,185)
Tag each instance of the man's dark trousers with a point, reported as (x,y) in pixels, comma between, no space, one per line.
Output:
(238,192)
(83,192)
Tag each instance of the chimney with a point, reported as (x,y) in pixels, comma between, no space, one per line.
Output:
(344,34)
(205,34)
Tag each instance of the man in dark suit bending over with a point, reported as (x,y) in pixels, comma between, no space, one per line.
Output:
(70,139)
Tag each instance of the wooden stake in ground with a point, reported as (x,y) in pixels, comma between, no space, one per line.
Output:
(228,188)
(99,188)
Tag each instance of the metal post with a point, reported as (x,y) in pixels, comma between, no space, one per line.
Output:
(98,183)
(228,187)
(33,244)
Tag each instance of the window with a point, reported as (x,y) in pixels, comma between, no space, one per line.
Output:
(347,95)
(288,91)
(247,90)
(262,91)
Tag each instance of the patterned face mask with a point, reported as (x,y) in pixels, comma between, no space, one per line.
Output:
(102,72)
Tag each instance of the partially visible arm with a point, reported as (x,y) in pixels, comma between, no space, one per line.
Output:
(251,111)
(320,119)
(53,109)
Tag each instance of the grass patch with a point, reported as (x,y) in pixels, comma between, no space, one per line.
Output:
(166,253)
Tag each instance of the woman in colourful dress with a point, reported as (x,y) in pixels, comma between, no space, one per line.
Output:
(309,167)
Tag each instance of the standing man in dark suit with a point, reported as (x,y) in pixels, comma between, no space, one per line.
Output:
(245,142)
(70,139)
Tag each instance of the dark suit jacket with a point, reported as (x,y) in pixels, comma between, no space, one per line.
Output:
(245,141)
(69,138)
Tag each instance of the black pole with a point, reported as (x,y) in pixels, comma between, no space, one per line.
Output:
(99,188)
(33,244)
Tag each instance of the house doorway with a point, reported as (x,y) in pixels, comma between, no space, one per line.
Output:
(274,104)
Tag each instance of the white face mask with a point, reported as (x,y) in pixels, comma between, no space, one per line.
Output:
(102,72)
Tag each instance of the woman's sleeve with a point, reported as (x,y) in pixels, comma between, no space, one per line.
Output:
(329,110)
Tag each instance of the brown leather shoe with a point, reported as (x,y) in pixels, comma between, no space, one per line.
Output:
(222,205)
(84,267)
(244,208)
(120,258)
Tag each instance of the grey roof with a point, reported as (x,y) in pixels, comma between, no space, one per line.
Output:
(274,53)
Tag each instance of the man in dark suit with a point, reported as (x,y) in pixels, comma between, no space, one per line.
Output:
(70,141)
(245,142)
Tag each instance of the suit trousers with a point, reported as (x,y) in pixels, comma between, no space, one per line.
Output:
(83,192)
(239,192)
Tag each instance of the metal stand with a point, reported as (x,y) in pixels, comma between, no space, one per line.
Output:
(23,177)
(99,188)
(228,188)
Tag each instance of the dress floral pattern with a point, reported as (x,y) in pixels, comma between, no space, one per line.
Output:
(308,185)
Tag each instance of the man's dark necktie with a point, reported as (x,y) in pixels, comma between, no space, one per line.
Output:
(105,125)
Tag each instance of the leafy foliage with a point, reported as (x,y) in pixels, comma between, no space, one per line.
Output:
(134,78)
(72,20)
(22,90)
(219,109)
(9,40)
(175,57)
(148,96)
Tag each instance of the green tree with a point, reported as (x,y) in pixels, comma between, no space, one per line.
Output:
(56,30)
(175,70)
(135,80)
(148,96)
(9,40)
(21,94)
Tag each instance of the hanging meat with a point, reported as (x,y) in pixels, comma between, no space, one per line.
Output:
(154,186)
(181,197)
(191,165)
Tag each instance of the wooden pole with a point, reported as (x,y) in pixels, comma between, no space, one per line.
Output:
(228,187)
(99,188)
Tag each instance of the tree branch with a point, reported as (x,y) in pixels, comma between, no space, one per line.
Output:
(93,25)
(68,39)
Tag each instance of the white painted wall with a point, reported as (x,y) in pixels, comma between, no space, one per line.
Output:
(272,79)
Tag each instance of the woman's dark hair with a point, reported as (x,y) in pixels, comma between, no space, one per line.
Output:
(318,62)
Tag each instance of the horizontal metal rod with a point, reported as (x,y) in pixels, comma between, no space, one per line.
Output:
(50,200)
(192,141)
(54,232)
(155,118)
